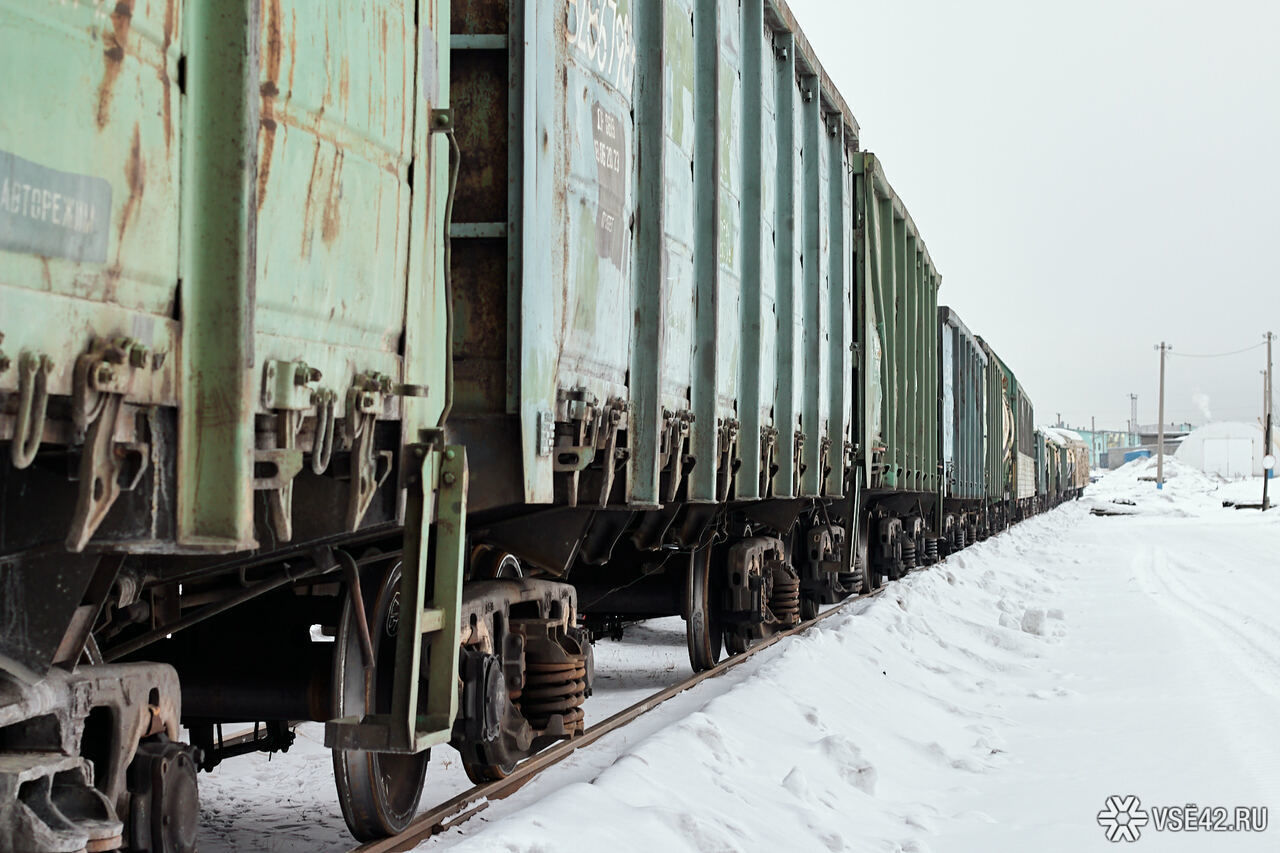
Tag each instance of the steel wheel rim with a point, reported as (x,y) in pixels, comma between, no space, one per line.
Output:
(378,792)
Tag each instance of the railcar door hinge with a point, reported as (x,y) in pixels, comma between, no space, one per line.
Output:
(728,435)
(366,401)
(675,433)
(102,379)
(768,449)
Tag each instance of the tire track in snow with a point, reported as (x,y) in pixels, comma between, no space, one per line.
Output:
(1160,578)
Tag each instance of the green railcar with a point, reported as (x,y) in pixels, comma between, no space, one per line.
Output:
(1010,445)
(223,308)
(438,326)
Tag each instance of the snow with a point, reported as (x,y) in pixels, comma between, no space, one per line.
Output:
(991,703)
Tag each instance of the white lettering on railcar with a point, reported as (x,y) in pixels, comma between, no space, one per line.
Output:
(608,142)
(604,37)
(45,205)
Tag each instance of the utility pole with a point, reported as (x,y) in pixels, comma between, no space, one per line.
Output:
(1164,348)
(1093,441)
(1133,414)
(1266,431)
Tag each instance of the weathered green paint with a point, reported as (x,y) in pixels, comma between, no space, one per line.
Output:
(785,227)
(813,389)
(707,189)
(648,312)
(840,376)
(334,206)
(755,125)
(216,435)
(107,114)
(435,718)
(901,286)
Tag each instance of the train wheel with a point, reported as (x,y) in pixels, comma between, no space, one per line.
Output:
(870,575)
(736,643)
(378,792)
(480,772)
(702,627)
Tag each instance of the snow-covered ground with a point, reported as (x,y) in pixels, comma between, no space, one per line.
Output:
(992,703)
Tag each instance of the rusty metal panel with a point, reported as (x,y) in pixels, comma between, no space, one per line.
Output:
(678,204)
(746,297)
(89,163)
(595,148)
(333,197)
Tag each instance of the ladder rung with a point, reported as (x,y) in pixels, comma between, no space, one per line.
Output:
(432,620)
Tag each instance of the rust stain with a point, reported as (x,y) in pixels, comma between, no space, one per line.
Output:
(48,275)
(135,174)
(170,21)
(293,47)
(113,52)
(269,89)
(344,84)
(307,227)
(331,223)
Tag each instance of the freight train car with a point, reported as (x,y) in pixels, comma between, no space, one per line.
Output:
(695,334)
(431,329)
(963,420)
(1074,462)
(271,272)
(1010,452)
(223,309)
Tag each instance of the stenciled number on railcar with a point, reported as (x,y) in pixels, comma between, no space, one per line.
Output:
(611,180)
(605,37)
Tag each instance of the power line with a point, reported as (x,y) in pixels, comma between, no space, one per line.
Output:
(1216,354)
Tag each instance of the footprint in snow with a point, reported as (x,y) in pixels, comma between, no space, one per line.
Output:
(850,763)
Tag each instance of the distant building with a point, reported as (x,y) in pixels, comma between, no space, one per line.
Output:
(1226,449)
(1150,433)
(1101,442)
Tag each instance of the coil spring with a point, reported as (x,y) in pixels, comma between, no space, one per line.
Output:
(960,543)
(554,688)
(785,599)
(931,549)
(909,554)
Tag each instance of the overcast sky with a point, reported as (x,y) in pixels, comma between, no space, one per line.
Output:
(1090,177)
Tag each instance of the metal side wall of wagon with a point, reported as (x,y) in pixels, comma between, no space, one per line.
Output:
(662,239)
(1000,428)
(962,384)
(900,287)
(1026,447)
(90,162)
(348,310)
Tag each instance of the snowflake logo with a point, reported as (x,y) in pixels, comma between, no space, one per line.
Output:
(1123,818)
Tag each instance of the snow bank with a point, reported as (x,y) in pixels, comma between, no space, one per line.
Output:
(990,704)
(838,739)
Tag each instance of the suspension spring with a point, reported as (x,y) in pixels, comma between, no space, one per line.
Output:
(931,550)
(554,688)
(785,598)
(909,554)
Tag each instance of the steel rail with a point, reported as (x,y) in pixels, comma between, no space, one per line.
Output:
(470,803)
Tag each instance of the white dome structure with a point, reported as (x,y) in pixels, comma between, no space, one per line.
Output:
(1227,449)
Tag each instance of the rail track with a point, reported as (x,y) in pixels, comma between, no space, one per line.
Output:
(470,803)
